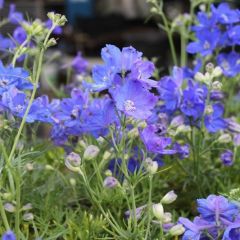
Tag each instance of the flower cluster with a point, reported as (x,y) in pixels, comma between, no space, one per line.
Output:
(215,32)
(218,218)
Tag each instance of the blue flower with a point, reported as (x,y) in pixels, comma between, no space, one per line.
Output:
(155,143)
(19,35)
(1,3)
(79,64)
(134,100)
(227,158)
(9,235)
(214,122)
(229,62)
(193,102)
(14,16)
(206,42)
(169,89)
(182,151)
(6,43)
(224,14)
(232,232)
(216,208)
(57,30)
(13,77)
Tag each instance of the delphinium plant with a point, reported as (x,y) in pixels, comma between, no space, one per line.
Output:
(128,153)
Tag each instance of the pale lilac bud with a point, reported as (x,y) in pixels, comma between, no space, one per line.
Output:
(158,211)
(169,198)
(110,182)
(28,217)
(73,162)
(91,152)
(9,207)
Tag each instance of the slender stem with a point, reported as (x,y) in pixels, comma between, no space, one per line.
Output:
(18,202)
(183,46)
(170,39)
(3,215)
(134,211)
(149,206)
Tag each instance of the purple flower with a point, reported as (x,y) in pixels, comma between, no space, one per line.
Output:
(229,62)
(193,102)
(169,89)
(79,64)
(227,158)
(14,16)
(182,151)
(19,35)
(196,230)
(6,43)
(134,100)
(206,42)
(110,182)
(1,3)
(232,232)
(216,208)
(214,122)
(232,125)
(155,143)
(224,14)
(9,235)
(13,77)
(138,212)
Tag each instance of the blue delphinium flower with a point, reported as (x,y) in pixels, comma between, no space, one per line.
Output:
(127,64)
(1,3)
(79,64)
(14,16)
(13,77)
(206,42)
(155,143)
(193,102)
(6,43)
(134,100)
(57,30)
(182,151)
(215,122)
(229,62)
(232,232)
(217,208)
(20,35)
(227,158)
(224,14)
(169,89)
(9,235)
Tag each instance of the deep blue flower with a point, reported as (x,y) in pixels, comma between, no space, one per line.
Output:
(169,89)
(79,64)
(229,62)
(215,122)
(155,143)
(134,100)
(206,42)
(14,16)
(6,43)
(182,151)
(224,14)
(19,35)
(9,235)
(216,208)
(197,229)
(13,77)
(232,232)
(1,3)
(193,102)
(227,158)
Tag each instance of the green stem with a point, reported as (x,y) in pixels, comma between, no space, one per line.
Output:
(149,207)
(183,46)
(170,39)
(3,215)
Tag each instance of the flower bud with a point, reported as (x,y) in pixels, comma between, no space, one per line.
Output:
(169,198)
(108,173)
(158,211)
(91,152)
(27,207)
(210,68)
(183,129)
(177,230)
(225,138)
(73,162)
(133,133)
(48,167)
(110,182)
(199,77)
(29,167)
(217,72)
(208,109)
(167,217)
(106,155)
(151,166)
(51,42)
(28,217)
(9,207)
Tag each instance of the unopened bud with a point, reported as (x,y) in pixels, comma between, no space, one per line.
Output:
(106,155)
(169,198)
(217,86)
(9,207)
(209,109)
(27,207)
(167,217)
(209,68)
(28,217)
(91,152)
(51,42)
(177,230)
(108,173)
(110,182)
(73,162)
(217,72)
(48,167)
(73,182)
(158,211)
(225,138)
(151,166)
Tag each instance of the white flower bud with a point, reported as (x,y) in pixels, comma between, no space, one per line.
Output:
(9,207)
(225,138)
(177,230)
(169,198)
(217,85)
(217,72)
(73,162)
(28,217)
(167,217)
(106,155)
(199,77)
(73,182)
(27,207)
(183,129)
(108,173)
(208,109)
(158,211)
(151,166)
(91,152)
